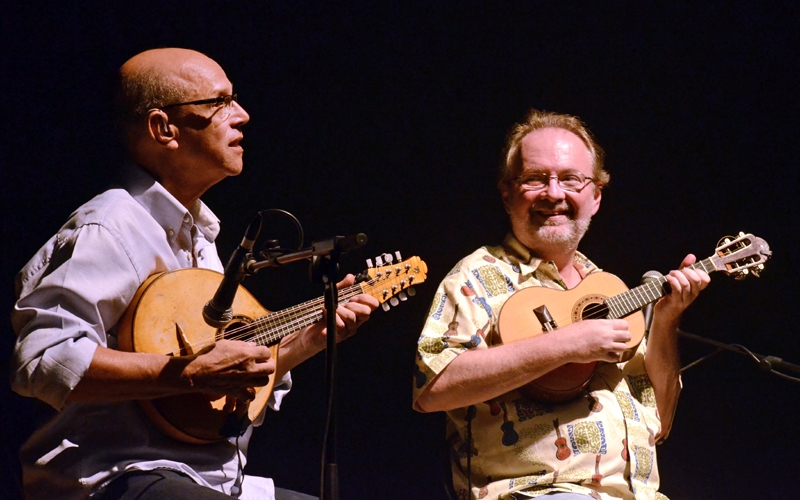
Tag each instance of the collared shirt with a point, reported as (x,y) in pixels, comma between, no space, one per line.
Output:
(600,444)
(71,295)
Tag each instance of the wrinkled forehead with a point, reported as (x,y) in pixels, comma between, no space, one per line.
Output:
(201,78)
(557,148)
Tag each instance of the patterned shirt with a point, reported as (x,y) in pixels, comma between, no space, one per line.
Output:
(601,444)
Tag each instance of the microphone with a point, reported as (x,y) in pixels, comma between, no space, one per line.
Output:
(218,312)
(346,243)
(650,277)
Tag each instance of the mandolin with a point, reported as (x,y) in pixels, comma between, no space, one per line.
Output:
(166,317)
(535,311)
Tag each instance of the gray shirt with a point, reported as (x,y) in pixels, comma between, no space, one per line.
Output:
(71,295)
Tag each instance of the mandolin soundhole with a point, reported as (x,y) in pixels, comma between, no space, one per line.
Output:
(590,307)
(237,329)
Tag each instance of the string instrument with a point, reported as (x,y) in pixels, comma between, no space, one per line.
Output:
(561,443)
(597,477)
(535,311)
(510,436)
(166,317)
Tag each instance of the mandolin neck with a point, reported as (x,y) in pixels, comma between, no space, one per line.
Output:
(634,299)
(270,329)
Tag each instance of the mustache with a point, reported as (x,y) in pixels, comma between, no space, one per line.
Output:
(562,206)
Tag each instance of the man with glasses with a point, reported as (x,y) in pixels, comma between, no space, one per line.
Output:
(514,434)
(182,127)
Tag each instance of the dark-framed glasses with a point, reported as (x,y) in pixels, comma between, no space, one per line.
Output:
(573,182)
(224,102)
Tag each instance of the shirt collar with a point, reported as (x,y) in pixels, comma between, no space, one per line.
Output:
(167,211)
(530,265)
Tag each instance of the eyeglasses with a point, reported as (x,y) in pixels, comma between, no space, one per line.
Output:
(574,182)
(225,103)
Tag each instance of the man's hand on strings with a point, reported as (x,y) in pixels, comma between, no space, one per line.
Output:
(686,284)
(350,316)
(230,367)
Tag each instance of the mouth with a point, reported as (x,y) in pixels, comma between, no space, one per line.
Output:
(548,213)
(235,143)
(552,215)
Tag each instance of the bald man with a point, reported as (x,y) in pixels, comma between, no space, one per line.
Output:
(182,126)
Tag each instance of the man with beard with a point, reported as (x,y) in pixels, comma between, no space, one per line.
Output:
(598,442)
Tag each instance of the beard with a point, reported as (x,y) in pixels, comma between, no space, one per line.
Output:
(550,236)
(568,235)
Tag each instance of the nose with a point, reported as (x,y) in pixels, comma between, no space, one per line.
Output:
(238,114)
(553,190)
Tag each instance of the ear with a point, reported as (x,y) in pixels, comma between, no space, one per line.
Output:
(160,129)
(504,195)
(598,195)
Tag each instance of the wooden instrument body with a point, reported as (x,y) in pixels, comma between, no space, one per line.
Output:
(518,321)
(166,317)
(603,295)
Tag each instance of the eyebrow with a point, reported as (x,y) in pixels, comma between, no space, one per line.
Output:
(545,172)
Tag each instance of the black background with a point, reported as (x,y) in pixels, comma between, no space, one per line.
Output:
(389,119)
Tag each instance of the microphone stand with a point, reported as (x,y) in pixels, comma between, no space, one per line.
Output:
(771,364)
(325,269)
(324,255)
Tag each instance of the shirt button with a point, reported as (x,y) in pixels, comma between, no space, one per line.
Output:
(171,233)
(186,219)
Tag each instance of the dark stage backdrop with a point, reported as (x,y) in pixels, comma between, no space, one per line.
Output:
(389,119)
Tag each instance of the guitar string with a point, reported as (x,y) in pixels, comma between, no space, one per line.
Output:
(268,329)
(310,311)
(634,299)
(291,319)
(290,316)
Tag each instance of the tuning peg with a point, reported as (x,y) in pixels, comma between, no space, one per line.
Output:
(411,291)
(388,258)
(385,306)
(402,296)
(378,261)
(393,301)
(369,263)
(397,254)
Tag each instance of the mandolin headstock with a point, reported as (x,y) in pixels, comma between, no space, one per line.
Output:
(392,282)
(741,255)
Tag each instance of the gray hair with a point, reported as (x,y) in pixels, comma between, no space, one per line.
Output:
(537,120)
(139,92)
